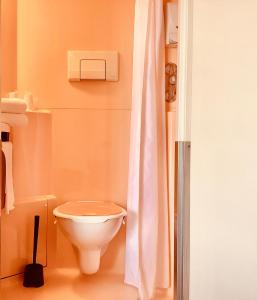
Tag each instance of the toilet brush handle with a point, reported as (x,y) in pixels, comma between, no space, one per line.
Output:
(36,225)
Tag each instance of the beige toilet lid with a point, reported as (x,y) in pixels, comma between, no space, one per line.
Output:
(90,208)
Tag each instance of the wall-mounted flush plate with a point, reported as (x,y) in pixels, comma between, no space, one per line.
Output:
(94,65)
(93,69)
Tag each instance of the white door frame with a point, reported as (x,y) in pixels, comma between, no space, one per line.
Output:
(183,147)
(185,8)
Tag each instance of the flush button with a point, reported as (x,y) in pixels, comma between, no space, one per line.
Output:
(93,69)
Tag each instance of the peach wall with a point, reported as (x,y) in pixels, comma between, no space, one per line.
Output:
(93,163)
(17,237)
(91,119)
(8,46)
(32,157)
(48,29)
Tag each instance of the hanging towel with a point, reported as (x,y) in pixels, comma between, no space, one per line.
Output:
(13,105)
(9,192)
(14,120)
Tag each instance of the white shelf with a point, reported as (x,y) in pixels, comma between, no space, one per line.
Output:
(39,111)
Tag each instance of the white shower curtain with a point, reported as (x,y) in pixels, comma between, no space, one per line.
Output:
(147,243)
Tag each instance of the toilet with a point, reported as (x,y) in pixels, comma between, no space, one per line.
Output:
(90,226)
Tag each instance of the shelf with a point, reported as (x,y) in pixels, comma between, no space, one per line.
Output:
(39,111)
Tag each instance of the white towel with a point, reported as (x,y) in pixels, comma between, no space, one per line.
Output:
(14,120)
(13,105)
(9,192)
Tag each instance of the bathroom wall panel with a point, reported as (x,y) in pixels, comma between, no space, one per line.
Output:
(90,154)
(32,157)
(48,29)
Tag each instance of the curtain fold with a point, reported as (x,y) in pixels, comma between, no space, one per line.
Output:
(147,242)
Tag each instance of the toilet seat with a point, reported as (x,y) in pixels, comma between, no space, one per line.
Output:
(89,211)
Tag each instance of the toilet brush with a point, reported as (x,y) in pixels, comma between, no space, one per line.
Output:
(33,276)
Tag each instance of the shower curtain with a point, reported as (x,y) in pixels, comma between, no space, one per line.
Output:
(147,242)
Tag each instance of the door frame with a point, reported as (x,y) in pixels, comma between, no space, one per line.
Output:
(185,51)
(183,148)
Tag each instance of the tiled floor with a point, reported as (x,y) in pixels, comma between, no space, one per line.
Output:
(62,284)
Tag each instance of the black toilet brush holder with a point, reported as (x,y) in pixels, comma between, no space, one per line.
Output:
(34,275)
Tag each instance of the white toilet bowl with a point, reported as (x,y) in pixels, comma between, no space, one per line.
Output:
(90,226)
